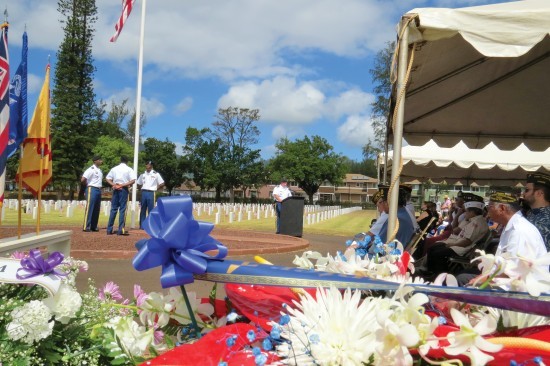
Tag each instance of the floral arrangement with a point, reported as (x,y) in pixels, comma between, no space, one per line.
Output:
(265,325)
(98,327)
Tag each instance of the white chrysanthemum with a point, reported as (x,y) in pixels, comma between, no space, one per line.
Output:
(30,322)
(517,319)
(333,329)
(304,261)
(134,338)
(64,304)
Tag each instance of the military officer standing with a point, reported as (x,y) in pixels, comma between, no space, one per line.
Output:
(121,177)
(93,179)
(150,182)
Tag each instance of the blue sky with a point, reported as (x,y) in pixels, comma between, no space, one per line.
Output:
(304,63)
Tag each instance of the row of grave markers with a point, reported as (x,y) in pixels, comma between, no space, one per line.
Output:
(221,212)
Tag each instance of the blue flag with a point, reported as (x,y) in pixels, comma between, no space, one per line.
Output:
(18,103)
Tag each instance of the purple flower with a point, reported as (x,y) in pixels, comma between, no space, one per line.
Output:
(18,255)
(111,291)
(139,295)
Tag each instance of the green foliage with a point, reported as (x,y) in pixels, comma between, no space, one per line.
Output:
(309,162)
(166,161)
(73,95)
(110,149)
(366,167)
(220,158)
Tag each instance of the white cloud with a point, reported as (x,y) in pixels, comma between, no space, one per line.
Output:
(34,83)
(226,39)
(284,100)
(184,105)
(286,131)
(356,131)
(179,148)
(152,107)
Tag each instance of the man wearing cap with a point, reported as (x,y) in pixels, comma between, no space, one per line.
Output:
(121,177)
(537,196)
(280,192)
(150,181)
(474,228)
(406,228)
(382,206)
(519,236)
(93,179)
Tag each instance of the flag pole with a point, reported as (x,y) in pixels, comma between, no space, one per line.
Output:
(39,191)
(19,192)
(138,110)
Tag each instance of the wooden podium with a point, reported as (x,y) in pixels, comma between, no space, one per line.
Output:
(292,216)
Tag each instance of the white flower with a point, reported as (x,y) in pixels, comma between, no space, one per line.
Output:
(134,338)
(333,329)
(531,272)
(155,309)
(469,340)
(517,319)
(304,261)
(180,311)
(30,322)
(490,265)
(64,304)
(393,342)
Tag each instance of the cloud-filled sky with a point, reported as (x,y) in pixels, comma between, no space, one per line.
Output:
(303,63)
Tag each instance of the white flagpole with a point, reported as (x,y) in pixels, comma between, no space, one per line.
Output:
(138,111)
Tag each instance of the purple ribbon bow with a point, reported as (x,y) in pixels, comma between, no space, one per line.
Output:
(178,243)
(35,264)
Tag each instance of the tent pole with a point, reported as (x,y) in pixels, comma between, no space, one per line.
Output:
(398,127)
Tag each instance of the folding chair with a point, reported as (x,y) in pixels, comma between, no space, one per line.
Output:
(460,262)
(413,243)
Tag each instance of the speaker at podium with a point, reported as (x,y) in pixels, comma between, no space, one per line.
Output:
(292,216)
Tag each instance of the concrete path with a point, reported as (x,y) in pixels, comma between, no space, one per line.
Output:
(122,273)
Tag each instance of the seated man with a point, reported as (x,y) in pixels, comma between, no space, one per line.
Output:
(362,245)
(455,218)
(518,233)
(406,228)
(474,228)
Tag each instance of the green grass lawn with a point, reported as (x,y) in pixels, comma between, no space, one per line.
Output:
(344,225)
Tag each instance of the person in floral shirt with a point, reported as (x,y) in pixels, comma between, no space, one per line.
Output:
(537,196)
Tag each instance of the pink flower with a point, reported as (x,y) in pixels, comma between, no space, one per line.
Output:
(18,255)
(111,291)
(139,295)
(158,337)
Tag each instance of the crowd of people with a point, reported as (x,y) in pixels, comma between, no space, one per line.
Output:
(120,178)
(507,223)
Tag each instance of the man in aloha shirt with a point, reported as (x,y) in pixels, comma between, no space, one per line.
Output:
(537,195)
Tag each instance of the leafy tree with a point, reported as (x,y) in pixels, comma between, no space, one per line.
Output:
(130,130)
(309,162)
(236,130)
(204,159)
(110,149)
(380,74)
(366,167)
(73,95)
(166,161)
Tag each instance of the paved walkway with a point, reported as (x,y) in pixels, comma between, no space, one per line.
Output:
(122,273)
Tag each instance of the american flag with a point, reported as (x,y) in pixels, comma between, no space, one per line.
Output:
(4,107)
(126,10)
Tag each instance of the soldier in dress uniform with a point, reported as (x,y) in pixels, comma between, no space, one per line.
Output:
(150,182)
(93,179)
(121,177)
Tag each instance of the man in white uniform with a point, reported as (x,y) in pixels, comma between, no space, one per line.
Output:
(121,177)
(93,178)
(280,192)
(150,181)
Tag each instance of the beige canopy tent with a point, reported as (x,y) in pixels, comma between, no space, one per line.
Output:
(477,74)
(486,166)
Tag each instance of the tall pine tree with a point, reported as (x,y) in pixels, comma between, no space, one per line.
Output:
(73,96)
